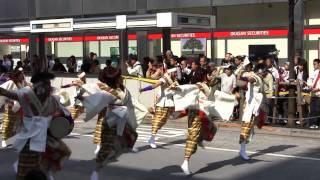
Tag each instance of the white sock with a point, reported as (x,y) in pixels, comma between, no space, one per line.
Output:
(243,152)
(15,166)
(4,144)
(152,142)
(97,150)
(185,167)
(135,150)
(94,176)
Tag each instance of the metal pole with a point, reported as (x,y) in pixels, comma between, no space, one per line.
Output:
(291,53)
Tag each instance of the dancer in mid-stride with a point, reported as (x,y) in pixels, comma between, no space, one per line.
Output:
(165,104)
(253,112)
(37,148)
(12,114)
(117,110)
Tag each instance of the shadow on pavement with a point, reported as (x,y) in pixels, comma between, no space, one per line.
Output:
(239,161)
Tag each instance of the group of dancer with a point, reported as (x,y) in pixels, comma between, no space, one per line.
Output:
(37,116)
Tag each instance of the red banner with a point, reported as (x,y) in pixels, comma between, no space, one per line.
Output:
(65,39)
(191,35)
(17,40)
(258,33)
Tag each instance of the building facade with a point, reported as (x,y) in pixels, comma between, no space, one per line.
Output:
(242,27)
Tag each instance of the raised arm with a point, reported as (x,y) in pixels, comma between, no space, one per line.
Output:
(151,87)
(8,94)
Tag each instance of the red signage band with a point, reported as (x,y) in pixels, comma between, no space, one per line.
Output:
(16,40)
(258,33)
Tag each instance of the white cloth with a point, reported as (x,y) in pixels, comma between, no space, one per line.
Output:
(191,97)
(254,99)
(120,111)
(10,86)
(226,104)
(35,126)
(274,72)
(165,98)
(136,70)
(228,83)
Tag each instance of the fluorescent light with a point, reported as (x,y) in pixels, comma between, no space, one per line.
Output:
(95,25)
(20,29)
(148,23)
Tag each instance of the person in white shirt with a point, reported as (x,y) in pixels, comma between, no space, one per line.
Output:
(315,96)
(165,104)
(134,67)
(228,80)
(274,71)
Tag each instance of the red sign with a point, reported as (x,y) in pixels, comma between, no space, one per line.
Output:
(311,31)
(101,38)
(17,40)
(258,33)
(191,35)
(64,39)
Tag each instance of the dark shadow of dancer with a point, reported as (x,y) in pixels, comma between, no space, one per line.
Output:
(239,161)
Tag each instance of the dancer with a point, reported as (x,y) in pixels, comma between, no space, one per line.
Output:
(253,108)
(120,120)
(165,104)
(37,149)
(193,101)
(12,113)
(77,109)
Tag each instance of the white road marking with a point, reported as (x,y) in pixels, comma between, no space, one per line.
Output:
(144,139)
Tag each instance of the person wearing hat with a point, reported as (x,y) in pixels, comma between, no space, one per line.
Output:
(165,105)
(112,101)
(253,107)
(12,115)
(37,148)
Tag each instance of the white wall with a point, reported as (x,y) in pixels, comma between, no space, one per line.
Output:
(105,47)
(241,46)
(66,49)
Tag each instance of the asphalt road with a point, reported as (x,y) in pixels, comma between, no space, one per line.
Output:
(273,157)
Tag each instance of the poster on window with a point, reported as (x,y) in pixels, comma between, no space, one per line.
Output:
(193,46)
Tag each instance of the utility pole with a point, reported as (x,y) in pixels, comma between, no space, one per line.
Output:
(291,54)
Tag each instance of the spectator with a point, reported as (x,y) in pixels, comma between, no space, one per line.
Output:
(19,65)
(175,64)
(228,60)
(166,60)
(268,82)
(94,63)
(11,61)
(72,64)
(302,71)
(58,66)
(203,62)
(274,71)
(7,63)
(197,74)
(85,67)
(50,62)
(134,67)
(154,71)
(315,97)
(145,65)
(228,80)
(238,61)
(3,69)
(26,65)
(108,63)
(185,73)
(284,72)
